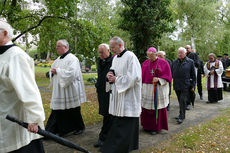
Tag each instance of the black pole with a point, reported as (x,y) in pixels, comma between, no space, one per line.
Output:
(50,135)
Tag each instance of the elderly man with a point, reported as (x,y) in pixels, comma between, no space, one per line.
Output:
(20,97)
(162,54)
(184,80)
(125,100)
(156,76)
(104,63)
(68,93)
(193,56)
(213,70)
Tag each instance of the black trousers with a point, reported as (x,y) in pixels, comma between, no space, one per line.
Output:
(191,97)
(106,126)
(34,146)
(199,82)
(182,96)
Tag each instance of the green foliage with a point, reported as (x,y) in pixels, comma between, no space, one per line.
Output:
(105,16)
(32,53)
(146,21)
(92,80)
(93,68)
(197,21)
(54,20)
(86,76)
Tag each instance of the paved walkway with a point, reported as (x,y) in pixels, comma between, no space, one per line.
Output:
(201,113)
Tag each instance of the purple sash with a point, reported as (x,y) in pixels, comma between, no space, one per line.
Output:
(215,74)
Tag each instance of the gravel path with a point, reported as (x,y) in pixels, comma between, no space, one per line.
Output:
(202,112)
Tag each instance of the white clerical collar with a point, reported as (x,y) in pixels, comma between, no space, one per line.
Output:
(9,43)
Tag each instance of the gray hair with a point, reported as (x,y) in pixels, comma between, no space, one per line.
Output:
(64,42)
(212,54)
(5,26)
(118,40)
(105,45)
(182,48)
(163,52)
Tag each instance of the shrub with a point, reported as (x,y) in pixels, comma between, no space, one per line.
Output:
(92,80)
(94,69)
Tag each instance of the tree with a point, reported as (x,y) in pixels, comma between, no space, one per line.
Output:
(106,16)
(55,19)
(197,19)
(146,21)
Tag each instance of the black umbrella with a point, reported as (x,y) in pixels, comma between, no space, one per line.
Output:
(50,135)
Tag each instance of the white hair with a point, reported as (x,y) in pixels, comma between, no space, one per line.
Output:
(5,26)
(105,45)
(64,42)
(162,52)
(182,48)
(118,40)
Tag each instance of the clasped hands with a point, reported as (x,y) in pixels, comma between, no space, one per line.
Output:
(53,71)
(111,77)
(155,79)
(211,72)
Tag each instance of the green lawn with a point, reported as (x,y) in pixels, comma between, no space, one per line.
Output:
(89,109)
(208,137)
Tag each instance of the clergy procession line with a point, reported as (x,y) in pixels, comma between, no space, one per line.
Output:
(126,91)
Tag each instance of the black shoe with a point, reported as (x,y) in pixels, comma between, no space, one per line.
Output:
(99,143)
(201,97)
(168,108)
(177,117)
(188,107)
(179,121)
(77,132)
(153,132)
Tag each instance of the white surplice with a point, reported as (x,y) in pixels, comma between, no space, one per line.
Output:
(68,86)
(125,99)
(19,97)
(162,95)
(219,72)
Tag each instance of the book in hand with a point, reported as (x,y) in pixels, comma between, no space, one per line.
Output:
(212,68)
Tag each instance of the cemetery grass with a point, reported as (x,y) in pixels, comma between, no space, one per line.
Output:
(212,136)
(89,109)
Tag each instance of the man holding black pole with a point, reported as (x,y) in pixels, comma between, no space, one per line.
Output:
(20,97)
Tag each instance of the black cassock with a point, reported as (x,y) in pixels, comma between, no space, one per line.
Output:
(103,96)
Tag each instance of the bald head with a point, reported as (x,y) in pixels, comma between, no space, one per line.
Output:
(161,54)
(188,48)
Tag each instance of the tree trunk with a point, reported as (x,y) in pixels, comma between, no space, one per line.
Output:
(193,42)
(48,56)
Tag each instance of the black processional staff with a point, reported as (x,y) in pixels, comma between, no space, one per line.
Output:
(50,135)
